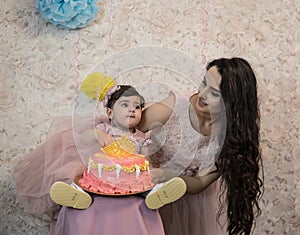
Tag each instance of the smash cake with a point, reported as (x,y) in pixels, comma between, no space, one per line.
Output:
(117,170)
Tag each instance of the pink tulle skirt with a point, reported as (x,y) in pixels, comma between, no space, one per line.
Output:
(195,214)
(126,215)
(57,159)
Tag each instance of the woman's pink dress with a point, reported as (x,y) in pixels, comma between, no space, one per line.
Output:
(186,152)
(58,159)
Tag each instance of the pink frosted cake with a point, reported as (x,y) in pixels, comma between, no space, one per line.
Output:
(117,171)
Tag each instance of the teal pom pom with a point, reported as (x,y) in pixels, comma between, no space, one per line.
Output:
(68,14)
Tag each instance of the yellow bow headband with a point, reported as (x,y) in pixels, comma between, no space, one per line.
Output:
(96,85)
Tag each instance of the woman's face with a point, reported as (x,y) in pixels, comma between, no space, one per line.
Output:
(209,96)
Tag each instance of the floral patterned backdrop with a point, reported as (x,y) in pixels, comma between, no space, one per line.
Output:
(42,65)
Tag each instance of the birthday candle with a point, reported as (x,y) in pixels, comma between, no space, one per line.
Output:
(118,170)
(137,171)
(148,169)
(89,165)
(100,170)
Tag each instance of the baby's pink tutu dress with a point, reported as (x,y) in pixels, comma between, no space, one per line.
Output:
(59,159)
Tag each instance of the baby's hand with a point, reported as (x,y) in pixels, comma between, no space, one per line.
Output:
(104,139)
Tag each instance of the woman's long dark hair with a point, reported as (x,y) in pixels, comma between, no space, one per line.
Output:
(240,158)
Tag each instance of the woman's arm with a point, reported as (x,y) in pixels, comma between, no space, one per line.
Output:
(197,184)
(157,114)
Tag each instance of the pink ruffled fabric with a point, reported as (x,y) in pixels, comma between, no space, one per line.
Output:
(139,138)
(55,160)
(195,214)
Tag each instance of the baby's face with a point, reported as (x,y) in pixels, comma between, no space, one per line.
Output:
(126,113)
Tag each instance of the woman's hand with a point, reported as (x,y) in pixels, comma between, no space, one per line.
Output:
(104,139)
(160,175)
(195,184)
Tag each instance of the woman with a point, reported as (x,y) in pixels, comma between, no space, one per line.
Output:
(228,202)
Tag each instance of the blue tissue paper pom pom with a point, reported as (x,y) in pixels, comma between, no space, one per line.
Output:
(68,14)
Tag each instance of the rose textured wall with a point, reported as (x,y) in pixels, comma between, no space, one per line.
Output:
(42,66)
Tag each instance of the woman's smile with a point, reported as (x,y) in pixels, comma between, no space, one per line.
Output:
(202,102)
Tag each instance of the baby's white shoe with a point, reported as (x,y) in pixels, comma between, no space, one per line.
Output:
(70,195)
(166,193)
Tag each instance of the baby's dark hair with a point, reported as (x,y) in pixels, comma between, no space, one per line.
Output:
(125,90)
